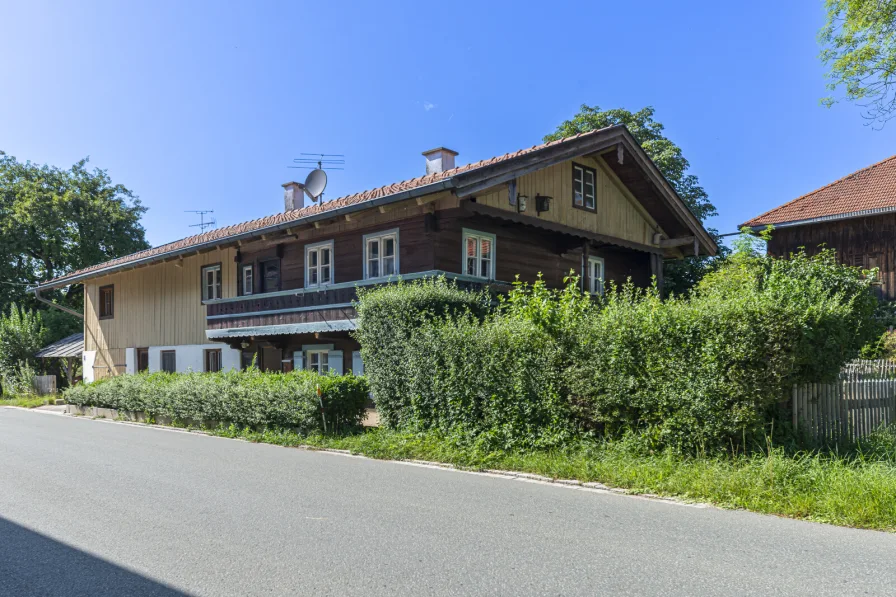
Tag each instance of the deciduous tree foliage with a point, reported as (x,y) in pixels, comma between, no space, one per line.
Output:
(859,39)
(53,221)
(679,275)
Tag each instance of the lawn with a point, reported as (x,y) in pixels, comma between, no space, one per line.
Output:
(858,490)
(24,401)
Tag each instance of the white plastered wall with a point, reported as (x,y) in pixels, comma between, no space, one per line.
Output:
(191,357)
(89,358)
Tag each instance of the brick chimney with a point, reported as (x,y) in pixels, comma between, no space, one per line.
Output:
(439,160)
(293,196)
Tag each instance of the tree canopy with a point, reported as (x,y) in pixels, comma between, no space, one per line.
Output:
(859,39)
(668,157)
(54,221)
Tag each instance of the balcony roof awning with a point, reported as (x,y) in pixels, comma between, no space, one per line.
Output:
(72,346)
(336,325)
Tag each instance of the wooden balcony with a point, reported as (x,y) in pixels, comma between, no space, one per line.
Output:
(309,305)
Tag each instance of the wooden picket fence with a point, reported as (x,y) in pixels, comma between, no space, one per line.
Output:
(860,401)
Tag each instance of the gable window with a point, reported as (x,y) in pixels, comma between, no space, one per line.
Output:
(270,275)
(248,279)
(596,275)
(318,361)
(107,302)
(381,254)
(211,282)
(169,361)
(583,184)
(213,360)
(319,264)
(479,254)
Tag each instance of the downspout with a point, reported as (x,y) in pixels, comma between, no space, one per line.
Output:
(41,299)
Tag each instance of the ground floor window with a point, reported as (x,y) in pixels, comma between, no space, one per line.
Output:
(142,359)
(213,360)
(479,254)
(318,361)
(169,361)
(596,275)
(246,360)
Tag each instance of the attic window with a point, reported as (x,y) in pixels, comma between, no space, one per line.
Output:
(583,185)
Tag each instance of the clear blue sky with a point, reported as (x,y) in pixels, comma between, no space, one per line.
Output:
(204,105)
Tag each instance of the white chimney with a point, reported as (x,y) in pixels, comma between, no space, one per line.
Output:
(293,196)
(439,160)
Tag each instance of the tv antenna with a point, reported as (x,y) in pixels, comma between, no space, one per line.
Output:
(202,225)
(316,181)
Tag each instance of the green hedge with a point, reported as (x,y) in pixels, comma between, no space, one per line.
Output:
(251,398)
(699,372)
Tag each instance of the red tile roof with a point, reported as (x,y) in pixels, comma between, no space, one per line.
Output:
(221,234)
(869,189)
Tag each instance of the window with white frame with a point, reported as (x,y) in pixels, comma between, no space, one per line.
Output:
(319,264)
(381,254)
(479,254)
(318,361)
(211,282)
(248,279)
(583,181)
(595,275)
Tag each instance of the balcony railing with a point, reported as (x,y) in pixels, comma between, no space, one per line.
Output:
(331,296)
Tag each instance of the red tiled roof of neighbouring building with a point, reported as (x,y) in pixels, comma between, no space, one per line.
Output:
(869,189)
(298,214)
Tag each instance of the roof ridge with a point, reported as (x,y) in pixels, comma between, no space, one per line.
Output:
(821,188)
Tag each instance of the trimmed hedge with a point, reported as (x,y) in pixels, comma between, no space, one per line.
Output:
(700,372)
(252,398)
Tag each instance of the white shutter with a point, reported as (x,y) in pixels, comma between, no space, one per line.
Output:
(357,363)
(298,360)
(334,358)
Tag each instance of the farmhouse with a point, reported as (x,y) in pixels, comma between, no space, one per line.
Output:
(279,290)
(855,216)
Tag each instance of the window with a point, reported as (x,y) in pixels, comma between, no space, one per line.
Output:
(248,279)
(211,282)
(595,275)
(319,264)
(381,254)
(583,181)
(142,359)
(270,275)
(169,361)
(107,302)
(213,360)
(318,361)
(479,254)
(247,360)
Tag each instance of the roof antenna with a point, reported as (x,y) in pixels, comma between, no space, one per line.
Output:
(202,225)
(316,181)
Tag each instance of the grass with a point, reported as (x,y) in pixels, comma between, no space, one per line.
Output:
(856,490)
(24,401)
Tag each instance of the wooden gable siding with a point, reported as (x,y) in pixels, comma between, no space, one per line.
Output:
(526,251)
(863,242)
(618,213)
(159,305)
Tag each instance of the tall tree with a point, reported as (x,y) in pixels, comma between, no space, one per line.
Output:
(859,39)
(680,275)
(54,221)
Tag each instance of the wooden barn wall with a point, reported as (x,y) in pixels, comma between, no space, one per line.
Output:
(618,213)
(159,305)
(527,251)
(863,242)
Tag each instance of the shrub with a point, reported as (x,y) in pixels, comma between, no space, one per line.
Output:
(704,371)
(251,398)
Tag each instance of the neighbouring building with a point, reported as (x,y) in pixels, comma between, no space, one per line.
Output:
(855,216)
(279,289)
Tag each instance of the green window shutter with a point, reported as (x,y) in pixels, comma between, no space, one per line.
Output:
(357,363)
(334,357)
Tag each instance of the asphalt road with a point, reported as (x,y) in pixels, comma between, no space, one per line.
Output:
(98,508)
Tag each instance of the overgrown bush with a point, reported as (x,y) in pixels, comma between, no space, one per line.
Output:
(251,398)
(22,335)
(704,371)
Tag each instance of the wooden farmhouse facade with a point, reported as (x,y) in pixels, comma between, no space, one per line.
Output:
(280,290)
(855,216)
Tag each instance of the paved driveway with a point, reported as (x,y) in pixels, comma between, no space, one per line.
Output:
(97,508)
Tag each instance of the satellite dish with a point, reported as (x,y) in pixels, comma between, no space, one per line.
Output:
(315,183)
